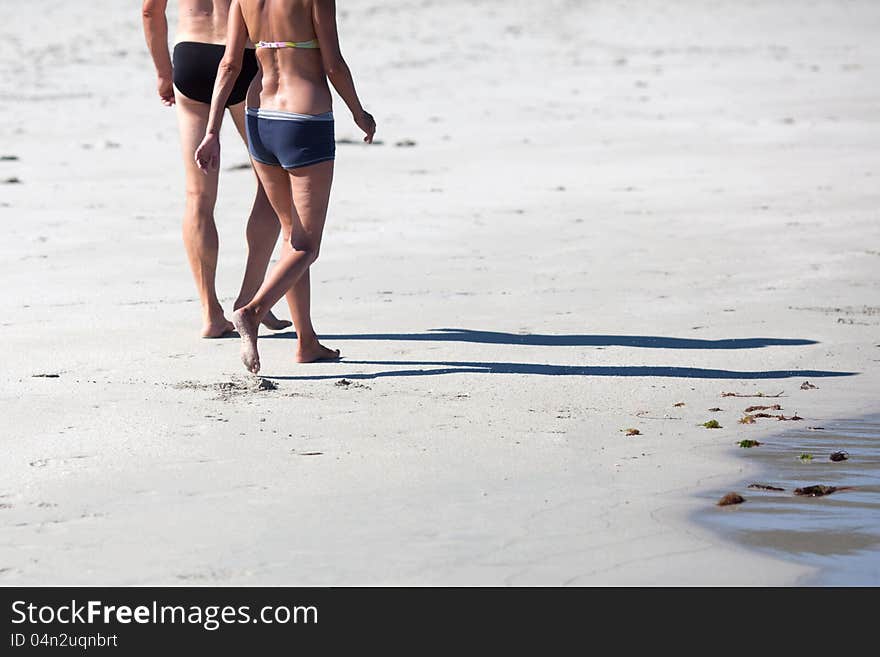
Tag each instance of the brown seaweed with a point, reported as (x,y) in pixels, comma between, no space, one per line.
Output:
(731,498)
(765,487)
(818,490)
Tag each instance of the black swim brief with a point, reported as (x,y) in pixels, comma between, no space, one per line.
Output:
(195,70)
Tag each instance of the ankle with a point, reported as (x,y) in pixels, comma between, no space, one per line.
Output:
(251,313)
(306,341)
(212,315)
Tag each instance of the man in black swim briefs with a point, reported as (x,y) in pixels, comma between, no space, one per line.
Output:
(186,79)
(195,70)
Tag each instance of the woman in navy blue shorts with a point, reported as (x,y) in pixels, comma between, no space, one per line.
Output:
(290,136)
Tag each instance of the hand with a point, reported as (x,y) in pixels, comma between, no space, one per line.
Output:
(367,123)
(208,153)
(165,87)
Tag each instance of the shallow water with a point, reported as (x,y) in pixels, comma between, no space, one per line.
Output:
(839,533)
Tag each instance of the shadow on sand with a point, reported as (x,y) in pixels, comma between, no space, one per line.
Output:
(533,339)
(431,368)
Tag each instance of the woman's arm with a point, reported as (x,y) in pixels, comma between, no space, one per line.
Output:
(338,73)
(208,153)
(156,34)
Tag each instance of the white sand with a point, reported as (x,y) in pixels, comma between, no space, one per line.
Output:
(720,165)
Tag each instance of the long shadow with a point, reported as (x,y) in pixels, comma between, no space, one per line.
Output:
(432,368)
(535,339)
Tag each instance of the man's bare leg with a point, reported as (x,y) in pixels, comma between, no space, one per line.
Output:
(199,230)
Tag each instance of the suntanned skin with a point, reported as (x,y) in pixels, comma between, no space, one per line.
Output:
(292,80)
(205,21)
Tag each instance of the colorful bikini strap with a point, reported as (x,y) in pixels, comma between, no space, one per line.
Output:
(312,44)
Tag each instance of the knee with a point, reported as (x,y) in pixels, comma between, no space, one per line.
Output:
(199,204)
(309,249)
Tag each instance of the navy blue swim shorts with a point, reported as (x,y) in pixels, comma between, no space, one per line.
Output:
(290,140)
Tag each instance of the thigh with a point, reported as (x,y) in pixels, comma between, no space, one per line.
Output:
(276,183)
(192,121)
(238,118)
(310,189)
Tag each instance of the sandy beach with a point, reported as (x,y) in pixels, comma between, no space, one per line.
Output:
(578,215)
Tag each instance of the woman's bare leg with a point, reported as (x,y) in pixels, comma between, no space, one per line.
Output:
(262,234)
(199,230)
(311,196)
(300,199)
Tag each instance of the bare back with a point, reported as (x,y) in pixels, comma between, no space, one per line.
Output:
(203,21)
(293,79)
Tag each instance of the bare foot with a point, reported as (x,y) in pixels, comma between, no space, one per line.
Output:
(247,326)
(274,324)
(217,328)
(315,352)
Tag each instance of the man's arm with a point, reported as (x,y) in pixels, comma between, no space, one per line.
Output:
(156,35)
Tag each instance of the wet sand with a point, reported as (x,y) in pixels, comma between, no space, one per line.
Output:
(570,226)
(837,534)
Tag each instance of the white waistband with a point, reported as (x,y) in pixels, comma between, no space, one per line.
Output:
(287,116)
